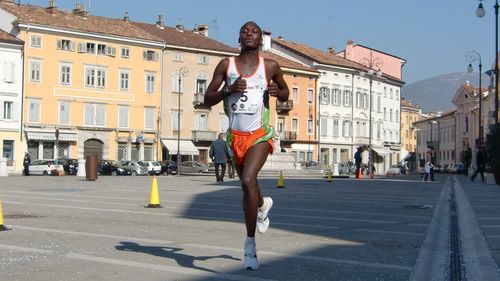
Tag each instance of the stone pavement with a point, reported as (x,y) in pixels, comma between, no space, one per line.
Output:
(65,228)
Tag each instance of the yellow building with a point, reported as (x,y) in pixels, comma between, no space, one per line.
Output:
(410,113)
(91,84)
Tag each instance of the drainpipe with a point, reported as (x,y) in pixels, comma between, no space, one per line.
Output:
(160,122)
(352,115)
(23,56)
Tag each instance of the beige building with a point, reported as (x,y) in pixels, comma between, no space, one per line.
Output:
(410,113)
(93,80)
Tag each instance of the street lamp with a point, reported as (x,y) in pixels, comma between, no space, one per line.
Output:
(182,72)
(480,12)
(472,56)
(373,65)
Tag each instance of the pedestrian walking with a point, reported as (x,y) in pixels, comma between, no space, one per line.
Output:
(479,165)
(26,164)
(427,168)
(357,161)
(219,154)
(249,80)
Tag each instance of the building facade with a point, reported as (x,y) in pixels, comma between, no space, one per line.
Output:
(410,113)
(13,143)
(93,80)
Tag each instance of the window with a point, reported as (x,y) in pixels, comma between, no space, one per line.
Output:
(203,59)
(65,74)
(335,128)
(34,111)
(295,125)
(175,120)
(385,114)
(295,94)
(378,130)
(64,112)
(324,95)
(65,45)
(36,41)
(309,126)
(347,98)
(150,55)
(379,103)
(346,128)
(101,49)
(177,57)
(123,116)
(335,96)
(8,149)
(390,114)
(201,122)
(125,52)
(8,73)
(95,114)
(224,122)
(358,100)
(150,82)
(201,83)
(35,70)
(176,80)
(90,48)
(7,110)
(124,80)
(390,94)
(365,101)
(324,124)
(149,118)
(397,116)
(310,95)
(95,77)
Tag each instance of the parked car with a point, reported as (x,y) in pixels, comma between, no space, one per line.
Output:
(138,168)
(154,168)
(70,166)
(45,167)
(113,168)
(394,170)
(458,168)
(168,167)
(193,167)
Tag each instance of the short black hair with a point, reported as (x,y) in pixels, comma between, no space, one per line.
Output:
(252,23)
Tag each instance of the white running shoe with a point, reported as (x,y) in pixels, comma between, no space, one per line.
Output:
(262,219)
(250,261)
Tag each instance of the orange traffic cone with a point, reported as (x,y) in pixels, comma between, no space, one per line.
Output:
(154,198)
(360,175)
(329,176)
(2,227)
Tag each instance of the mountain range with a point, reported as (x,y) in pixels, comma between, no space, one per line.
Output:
(435,94)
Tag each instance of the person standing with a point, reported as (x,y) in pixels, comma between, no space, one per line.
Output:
(219,155)
(26,163)
(428,167)
(357,161)
(479,165)
(249,81)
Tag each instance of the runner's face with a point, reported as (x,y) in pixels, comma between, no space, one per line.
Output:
(250,36)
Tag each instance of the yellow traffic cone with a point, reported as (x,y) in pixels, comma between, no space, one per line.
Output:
(154,198)
(2,227)
(329,176)
(281,181)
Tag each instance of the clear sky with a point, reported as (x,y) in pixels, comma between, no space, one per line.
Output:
(431,35)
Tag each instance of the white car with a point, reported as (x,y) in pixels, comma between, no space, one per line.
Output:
(45,167)
(154,168)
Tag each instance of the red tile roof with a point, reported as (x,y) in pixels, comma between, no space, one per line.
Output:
(287,63)
(6,37)
(67,20)
(186,38)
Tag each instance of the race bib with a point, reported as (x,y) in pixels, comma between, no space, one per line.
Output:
(248,102)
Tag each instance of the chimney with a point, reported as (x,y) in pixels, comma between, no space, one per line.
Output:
(180,26)
(281,37)
(201,29)
(348,50)
(80,10)
(266,41)
(52,7)
(126,17)
(160,23)
(331,50)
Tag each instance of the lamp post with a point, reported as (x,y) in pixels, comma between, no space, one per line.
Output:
(472,56)
(480,12)
(182,72)
(373,65)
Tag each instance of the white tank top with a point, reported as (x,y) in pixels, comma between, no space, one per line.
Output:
(246,111)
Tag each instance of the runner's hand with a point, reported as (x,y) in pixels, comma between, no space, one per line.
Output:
(273,89)
(239,85)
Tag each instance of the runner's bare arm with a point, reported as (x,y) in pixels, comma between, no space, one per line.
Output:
(277,87)
(213,96)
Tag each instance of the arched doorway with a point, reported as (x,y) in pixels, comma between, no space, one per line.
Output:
(93,147)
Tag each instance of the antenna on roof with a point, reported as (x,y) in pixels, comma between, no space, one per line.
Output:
(88,5)
(216,28)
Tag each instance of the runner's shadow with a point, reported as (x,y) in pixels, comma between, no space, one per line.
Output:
(171,253)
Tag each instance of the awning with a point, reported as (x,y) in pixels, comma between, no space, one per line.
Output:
(51,136)
(382,150)
(186,147)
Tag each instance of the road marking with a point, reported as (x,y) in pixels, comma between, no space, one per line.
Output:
(25,249)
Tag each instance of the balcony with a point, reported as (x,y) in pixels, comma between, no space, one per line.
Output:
(284,106)
(199,135)
(288,136)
